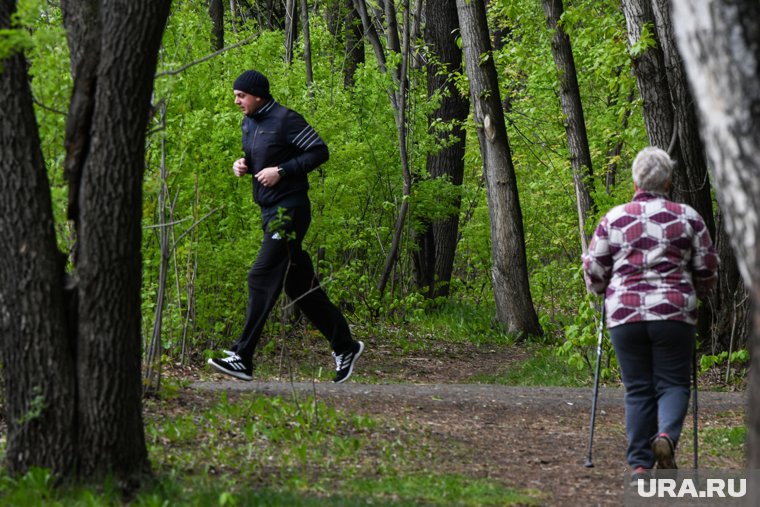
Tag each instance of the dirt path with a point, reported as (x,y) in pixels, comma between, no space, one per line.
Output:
(527,437)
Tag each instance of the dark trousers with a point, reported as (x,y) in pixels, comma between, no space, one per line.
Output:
(282,261)
(655,363)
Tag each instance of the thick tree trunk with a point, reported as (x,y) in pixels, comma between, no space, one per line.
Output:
(75,403)
(84,53)
(649,68)
(434,261)
(36,351)
(575,124)
(110,263)
(514,305)
(691,185)
(720,44)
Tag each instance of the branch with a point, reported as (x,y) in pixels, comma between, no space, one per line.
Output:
(48,108)
(205,58)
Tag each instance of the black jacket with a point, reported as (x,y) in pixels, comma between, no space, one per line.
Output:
(277,136)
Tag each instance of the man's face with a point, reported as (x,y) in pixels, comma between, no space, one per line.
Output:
(247,103)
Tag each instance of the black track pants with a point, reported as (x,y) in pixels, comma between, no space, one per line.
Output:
(282,261)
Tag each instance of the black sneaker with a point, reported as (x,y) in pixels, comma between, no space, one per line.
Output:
(232,365)
(344,363)
(664,452)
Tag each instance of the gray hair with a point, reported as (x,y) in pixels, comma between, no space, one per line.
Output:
(652,170)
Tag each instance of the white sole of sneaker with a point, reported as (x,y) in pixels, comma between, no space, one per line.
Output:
(351,368)
(237,374)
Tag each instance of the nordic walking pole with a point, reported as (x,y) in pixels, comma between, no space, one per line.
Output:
(589,462)
(695,407)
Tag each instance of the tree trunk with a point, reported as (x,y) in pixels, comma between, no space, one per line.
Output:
(110,235)
(97,398)
(434,261)
(720,45)
(514,305)
(649,68)
(291,29)
(307,44)
(374,39)
(575,124)
(354,44)
(216,12)
(691,185)
(401,128)
(37,353)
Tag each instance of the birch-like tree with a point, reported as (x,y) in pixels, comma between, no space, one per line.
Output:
(720,44)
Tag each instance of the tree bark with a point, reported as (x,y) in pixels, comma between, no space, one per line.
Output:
(99,423)
(434,260)
(720,44)
(401,128)
(575,124)
(37,354)
(691,184)
(649,68)
(514,305)
(84,47)
(307,44)
(291,29)
(354,44)
(110,234)
(216,12)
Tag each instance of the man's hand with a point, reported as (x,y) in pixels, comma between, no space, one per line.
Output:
(239,167)
(269,176)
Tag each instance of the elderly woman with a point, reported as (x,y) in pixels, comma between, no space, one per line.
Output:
(651,258)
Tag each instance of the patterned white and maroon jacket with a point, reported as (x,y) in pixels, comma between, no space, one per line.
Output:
(651,258)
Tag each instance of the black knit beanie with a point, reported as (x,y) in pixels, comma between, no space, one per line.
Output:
(253,82)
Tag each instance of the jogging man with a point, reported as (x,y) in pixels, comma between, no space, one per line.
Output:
(280,149)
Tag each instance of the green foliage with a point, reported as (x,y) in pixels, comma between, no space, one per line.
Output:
(459,322)
(735,365)
(543,367)
(725,441)
(356,195)
(18,38)
(582,340)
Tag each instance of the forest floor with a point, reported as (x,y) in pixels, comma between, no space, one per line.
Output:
(524,437)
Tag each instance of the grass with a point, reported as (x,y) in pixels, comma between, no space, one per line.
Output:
(725,442)
(542,368)
(268,451)
(458,322)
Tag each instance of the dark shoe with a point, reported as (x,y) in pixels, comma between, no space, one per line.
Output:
(344,363)
(664,452)
(639,473)
(232,365)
